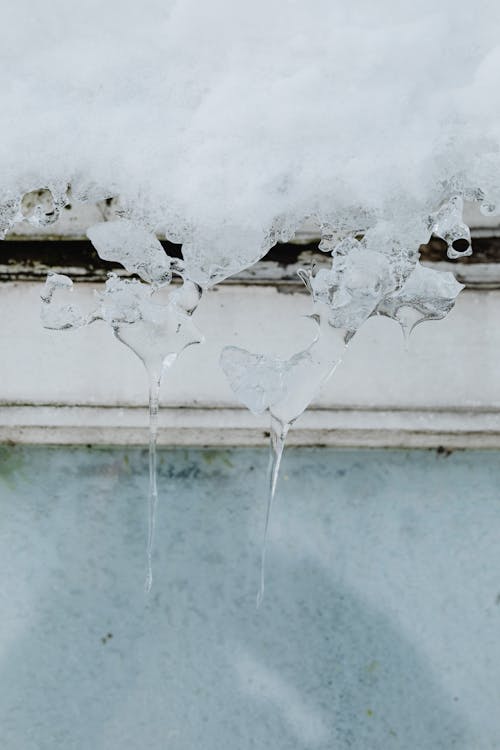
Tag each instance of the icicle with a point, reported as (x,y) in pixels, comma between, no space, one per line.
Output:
(154,404)
(278,433)
(157,333)
(284,388)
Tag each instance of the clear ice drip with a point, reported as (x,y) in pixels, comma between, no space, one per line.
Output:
(157,332)
(284,389)
(278,433)
(361,282)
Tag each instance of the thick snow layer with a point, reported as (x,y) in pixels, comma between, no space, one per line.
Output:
(226,122)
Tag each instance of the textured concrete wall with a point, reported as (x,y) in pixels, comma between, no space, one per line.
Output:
(380,626)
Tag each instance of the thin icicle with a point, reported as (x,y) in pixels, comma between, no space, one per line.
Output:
(278,435)
(155,380)
(154,404)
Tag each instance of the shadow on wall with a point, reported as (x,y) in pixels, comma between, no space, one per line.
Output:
(88,661)
(339,674)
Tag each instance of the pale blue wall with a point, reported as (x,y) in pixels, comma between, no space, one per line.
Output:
(380,627)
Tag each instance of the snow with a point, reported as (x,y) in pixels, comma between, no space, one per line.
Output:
(225,124)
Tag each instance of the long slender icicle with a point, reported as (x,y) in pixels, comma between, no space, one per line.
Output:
(278,435)
(154,404)
(156,332)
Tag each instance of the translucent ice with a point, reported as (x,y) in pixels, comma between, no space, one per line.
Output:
(350,291)
(217,254)
(138,250)
(157,332)
(60,316)
(42,206)
(284,389)
(367,277)
(426,295)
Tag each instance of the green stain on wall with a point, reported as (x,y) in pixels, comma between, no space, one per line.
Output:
(11,464)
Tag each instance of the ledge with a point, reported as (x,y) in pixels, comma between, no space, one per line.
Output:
(444,392)
(370,428)
(25,259)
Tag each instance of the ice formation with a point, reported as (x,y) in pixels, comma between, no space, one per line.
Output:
(156,331)
(224,125)
(284,388)
(362,282)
